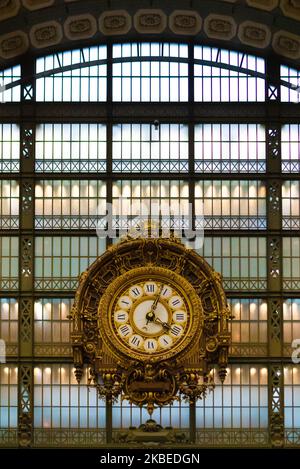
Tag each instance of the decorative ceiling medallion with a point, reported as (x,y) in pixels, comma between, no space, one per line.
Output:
(150,21)
(254,34)
(13,44)
(37,4)
(220,27)
(287,44)
(9,8)
(267,5)
(185,22)
(291,8)
(80,27)
(46,34)
(115,22)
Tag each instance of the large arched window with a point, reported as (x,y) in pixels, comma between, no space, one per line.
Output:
(152,122)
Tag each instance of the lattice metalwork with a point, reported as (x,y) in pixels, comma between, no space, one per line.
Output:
(160,145)
(77,84)
(166,201)
(273,142)
(69,438)
(71,204)
(291,263)
(291,405)
(241,261)
(25,405)
(275,326)
(216,83)
(137,78)
(9,324)
(26,261)
(274,256)
(9,204)
(9,148)
(65,148)
(9,263)
(290,137)
(232,438)
(150,148)
(292,76)
(242,402)
(291,205)
(276,403)
(8,402)
(26,324)
(291,324)
(125,415)
(7,77)
(52,327)
(27,140)
(231,204)
(230,148)
(249,326)
(60,403)
(59,260)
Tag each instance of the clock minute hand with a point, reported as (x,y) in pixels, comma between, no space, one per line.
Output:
(150,316)
(154,305)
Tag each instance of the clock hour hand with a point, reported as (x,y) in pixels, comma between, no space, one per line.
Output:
(165,325)
(151,316)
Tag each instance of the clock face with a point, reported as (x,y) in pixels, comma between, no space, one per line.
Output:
(150,313)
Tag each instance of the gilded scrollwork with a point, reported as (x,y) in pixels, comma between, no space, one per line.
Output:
(157,379)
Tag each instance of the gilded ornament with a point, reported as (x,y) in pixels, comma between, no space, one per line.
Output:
(150,319)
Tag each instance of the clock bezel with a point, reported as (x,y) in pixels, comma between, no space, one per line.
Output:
(159,274)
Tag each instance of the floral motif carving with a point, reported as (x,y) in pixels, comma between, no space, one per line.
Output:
(287,44)
(13,44)
(150,21)
(46,34)
(254,34)
(185,22)
(220,27)
(115,22)
(80,27)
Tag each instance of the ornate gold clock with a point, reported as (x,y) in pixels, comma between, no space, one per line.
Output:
(150,314)
(150,319)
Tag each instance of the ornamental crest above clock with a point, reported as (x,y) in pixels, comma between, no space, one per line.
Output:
(150,320)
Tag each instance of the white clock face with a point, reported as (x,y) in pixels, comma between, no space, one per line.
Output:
(150,316)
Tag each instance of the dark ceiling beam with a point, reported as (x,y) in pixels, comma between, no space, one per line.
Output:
(260,112)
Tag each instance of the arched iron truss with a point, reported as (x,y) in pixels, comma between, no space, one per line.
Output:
(92,63)
(271,113)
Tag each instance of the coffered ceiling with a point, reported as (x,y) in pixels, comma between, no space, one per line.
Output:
(258,26)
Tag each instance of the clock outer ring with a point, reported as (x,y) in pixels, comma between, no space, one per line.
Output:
(116,346)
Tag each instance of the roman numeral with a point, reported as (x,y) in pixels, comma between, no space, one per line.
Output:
(135,341)
(165,292)
(150,345)
(124,330)
(180,316)
(176,330)
(135,291)
(150,288)
(125,302)
(121,317)
(175,302)
(165,341)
